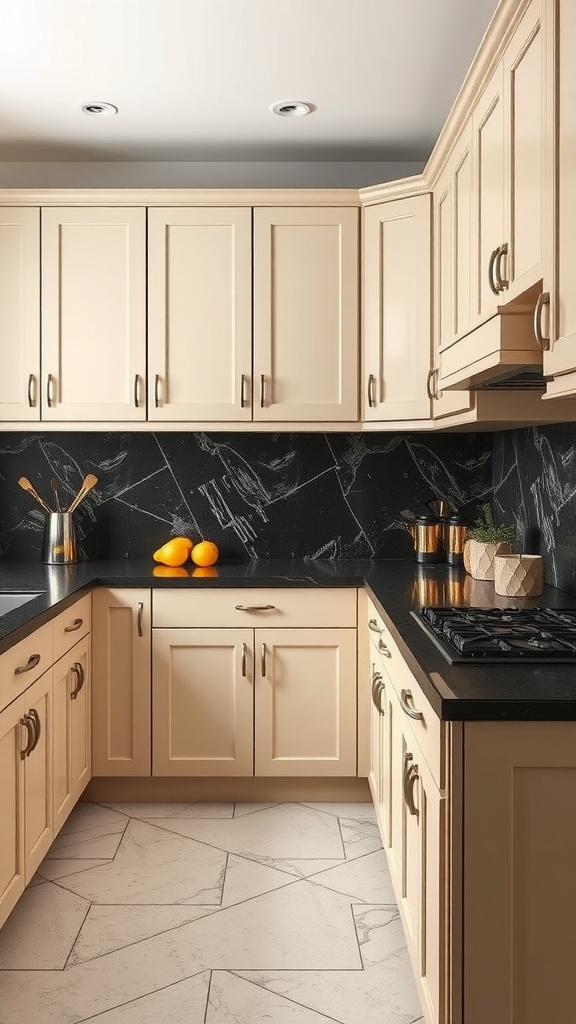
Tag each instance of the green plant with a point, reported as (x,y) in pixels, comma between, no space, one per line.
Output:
(486,530)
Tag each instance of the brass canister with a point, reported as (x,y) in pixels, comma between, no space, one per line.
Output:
(455,536)
(426,532)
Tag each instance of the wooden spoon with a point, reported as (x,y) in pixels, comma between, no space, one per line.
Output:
(55,487)
(27,486)
(88,483)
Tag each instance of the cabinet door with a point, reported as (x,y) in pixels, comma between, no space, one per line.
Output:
(121,688)
(80,703)
(93,314)
(38,829)
(20,313)
(62,789)
(488,227)
(431,969)
(380,750)
(397,310)
(12,852)
(305,314)
(200,314)
(461,314)
(305,702)
(524,153)
(203,702)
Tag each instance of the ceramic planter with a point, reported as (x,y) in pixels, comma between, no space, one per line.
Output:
(518,575)
(479,557)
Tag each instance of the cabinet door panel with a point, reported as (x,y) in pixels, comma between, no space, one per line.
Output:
(203,702)
(488,230)
(93,314)
(305,702)
(305,314)
(397,309)
(12,853)
(80,705)
(200,314)
(463,235)
(20,313)
(38,828)
(62,725)
(121,686)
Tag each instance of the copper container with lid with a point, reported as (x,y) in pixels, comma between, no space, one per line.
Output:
(455,535)
(426,532)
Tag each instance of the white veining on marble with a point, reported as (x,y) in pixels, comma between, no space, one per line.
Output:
(154,866)
(181,1003)
(379,931)
(41,930)
(107,929)
(366,878)
(359,837)
(246,878)
(236,1001)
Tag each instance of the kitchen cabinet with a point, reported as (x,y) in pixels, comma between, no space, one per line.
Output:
(93,314)
(38,772)
(396,310)
(236,695)
(487,225)
(121,682)
(203,702)
(305,314)
(200,314)
(20,313)
(12,852)
(71,729)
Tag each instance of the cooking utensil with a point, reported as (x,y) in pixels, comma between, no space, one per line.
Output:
(89,481)
(27,486)
(55,487)
(59,544)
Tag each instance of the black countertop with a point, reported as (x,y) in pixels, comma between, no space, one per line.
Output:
(457,692)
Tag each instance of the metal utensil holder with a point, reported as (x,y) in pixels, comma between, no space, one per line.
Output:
(59,544)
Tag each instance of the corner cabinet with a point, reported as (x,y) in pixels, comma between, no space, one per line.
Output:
(397,310)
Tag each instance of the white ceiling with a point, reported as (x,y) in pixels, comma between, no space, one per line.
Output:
(193,79)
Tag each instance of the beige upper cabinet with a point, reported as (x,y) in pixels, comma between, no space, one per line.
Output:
(396,310)
(488,196)
(200,314)
(93,314)
(305,314)
(20,313)
(121,682)
(305,702)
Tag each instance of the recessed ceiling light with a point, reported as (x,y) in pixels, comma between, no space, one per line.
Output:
(291,108)
(99,109)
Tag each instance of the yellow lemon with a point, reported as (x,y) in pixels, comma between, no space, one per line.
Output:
(185,540)
(204,553)
(175,552)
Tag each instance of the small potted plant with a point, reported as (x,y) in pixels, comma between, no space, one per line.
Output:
(485,541)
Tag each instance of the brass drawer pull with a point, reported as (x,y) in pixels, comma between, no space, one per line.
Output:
(263,661)
(139,618)
(26,721)
(244,654)
(37,728)
(407,705)
(75,625)
(32,662)
(78,670)
(409,780)
(384,649)
(255,607)
(373,625)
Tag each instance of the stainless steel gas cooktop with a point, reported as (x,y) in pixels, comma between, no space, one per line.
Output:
(502,634)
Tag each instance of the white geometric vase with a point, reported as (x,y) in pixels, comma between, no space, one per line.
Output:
(479,557)
(518,575)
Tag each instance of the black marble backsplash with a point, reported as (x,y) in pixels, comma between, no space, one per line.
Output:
(535,490)
(256,495)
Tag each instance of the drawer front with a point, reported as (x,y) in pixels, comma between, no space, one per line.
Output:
(24,663)
(429,731)
(70,626)
(256,607)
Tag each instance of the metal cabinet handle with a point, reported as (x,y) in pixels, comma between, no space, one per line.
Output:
(376,679)
(254,607)
(262,386)
(542,300)
(371,395)
(378,686)
(435,376)
(32,662)
(156,390)
(429,380)
(493,286)
(384,649)
(78,670)
(37,728)
(140,617)
(31,390)
(501,282)
(243,402)
(373,625)
(26,721)
(244,653)
(136,389)
(263,660)
(50,391)
(409,780)
(407,705)
(75,625)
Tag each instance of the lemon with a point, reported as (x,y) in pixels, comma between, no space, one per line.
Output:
(204,553)
(174,553)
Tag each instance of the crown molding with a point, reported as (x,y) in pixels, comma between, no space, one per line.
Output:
(179,197)
(402,188)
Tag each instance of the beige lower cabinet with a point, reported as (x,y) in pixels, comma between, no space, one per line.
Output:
(121,685)
(12,853)
(71,729)
(203,702)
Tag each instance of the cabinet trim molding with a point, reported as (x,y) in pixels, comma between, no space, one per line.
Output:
(179,197)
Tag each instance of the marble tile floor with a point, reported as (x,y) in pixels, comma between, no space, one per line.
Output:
(209,914)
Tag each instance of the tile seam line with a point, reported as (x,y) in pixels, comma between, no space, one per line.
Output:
(152,993)
(289,999)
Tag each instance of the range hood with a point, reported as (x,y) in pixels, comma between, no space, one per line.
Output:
(501,352)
